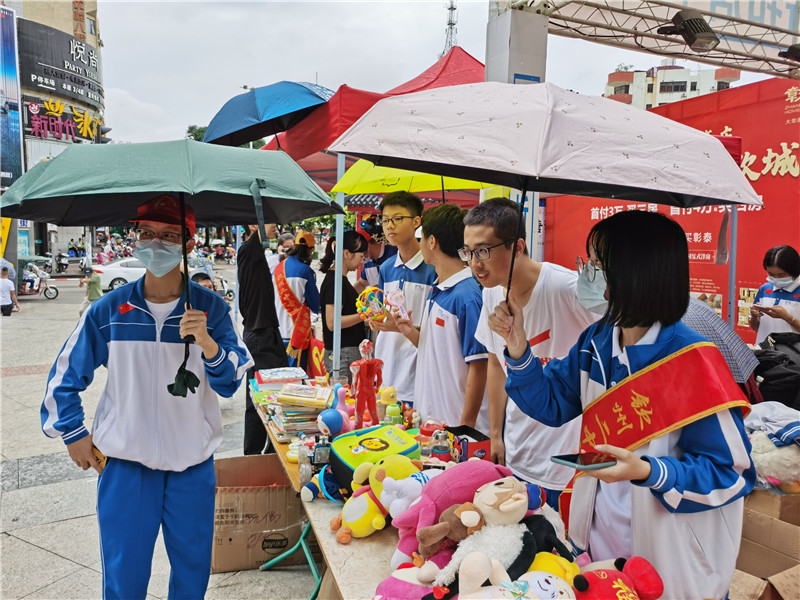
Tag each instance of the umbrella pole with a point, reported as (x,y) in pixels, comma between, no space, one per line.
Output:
(444,200)
(185,257)
(520,227)
(185,380)
(338,263)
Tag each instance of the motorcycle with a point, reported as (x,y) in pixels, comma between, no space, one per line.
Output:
(226,290)
(62,262)
(37,284)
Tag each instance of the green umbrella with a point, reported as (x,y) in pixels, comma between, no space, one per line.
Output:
(103,184)
(91,184)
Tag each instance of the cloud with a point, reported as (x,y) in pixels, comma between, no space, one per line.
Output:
(168,65)
(136,120)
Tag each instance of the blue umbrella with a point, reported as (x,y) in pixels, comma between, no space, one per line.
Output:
(264,111)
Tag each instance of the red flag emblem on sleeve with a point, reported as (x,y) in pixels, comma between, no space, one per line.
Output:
(440,321)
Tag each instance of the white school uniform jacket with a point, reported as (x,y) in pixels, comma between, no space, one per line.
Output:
(686,518)
(398,354)
(553,321)
(769,295)
(447,345)
(303,283)
(137,419)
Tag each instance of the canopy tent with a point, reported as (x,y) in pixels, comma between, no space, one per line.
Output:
(306,141)
(454,68)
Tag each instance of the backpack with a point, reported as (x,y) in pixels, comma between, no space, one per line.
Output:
(778,372)
(349,450)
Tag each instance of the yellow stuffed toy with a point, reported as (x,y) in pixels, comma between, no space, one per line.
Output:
(555,564)
(363,513)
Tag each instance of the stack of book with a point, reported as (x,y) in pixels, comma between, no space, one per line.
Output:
(292,409)
(267,380)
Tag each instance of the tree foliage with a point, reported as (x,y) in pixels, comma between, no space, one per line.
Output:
(196,132)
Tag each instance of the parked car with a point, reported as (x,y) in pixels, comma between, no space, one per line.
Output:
(119,272)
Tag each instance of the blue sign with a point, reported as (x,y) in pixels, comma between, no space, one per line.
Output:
(10,125)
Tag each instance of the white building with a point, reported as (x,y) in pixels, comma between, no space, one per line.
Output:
(665,84)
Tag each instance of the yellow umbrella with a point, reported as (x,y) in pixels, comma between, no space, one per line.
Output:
(365,178)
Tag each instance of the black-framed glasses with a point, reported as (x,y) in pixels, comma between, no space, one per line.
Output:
(146,235)
(482,253)
(394,221)
(588,266)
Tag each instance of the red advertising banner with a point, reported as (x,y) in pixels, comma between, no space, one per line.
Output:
(766,116)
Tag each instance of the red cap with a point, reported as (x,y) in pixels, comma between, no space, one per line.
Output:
(165,209)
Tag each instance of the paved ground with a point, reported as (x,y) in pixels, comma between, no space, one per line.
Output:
(49,545)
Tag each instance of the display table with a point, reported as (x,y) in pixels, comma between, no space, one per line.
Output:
(356,568)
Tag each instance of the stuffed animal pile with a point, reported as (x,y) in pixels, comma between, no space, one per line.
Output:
(470,532)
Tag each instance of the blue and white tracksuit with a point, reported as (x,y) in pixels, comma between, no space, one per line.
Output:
(160,447)
(686,518)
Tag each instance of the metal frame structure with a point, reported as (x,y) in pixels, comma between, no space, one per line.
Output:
(633,25)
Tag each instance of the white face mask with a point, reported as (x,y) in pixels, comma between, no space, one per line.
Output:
(781,283)
(158,257)
(591,294)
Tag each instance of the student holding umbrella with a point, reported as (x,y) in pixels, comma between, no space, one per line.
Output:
(159,443)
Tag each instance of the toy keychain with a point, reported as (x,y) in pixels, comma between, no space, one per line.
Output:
(397,299)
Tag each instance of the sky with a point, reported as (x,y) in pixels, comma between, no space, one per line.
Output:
(171,64)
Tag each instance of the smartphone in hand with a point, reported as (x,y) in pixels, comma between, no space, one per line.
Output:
(585,461)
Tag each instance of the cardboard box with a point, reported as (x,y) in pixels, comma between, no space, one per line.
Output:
(257,516)
(785,507)
(770,550)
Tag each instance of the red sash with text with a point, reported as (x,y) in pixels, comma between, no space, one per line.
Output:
(298,311)
(677,390)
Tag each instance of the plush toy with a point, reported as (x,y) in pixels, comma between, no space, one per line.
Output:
(411,418)
(450,527)
(397,495)
(533,585)
(396,466)
(335,420)
(363,513)
(323,484)
(555,564)
(638,580)
(503,504)
(455,486)
(779,465)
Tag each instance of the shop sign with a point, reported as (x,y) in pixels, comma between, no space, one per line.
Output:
(60,64)
(53,119)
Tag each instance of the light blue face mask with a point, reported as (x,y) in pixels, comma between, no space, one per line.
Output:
(782,283)
(158,257)
(591,294)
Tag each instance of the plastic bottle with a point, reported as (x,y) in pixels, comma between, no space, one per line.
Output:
(426,431)
(440,446)
(306,471)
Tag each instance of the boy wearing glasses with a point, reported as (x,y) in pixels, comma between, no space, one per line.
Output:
(451,365)
(553,317)
(160,468)
(401,213)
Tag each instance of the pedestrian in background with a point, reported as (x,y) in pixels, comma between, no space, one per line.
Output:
(354,246)
(261,332)
(297,297)
(777,302)
(93,289)
(8,297)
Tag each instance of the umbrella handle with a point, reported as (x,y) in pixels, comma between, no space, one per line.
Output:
(255,190)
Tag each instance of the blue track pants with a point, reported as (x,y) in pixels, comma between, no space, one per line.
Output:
(132,503)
